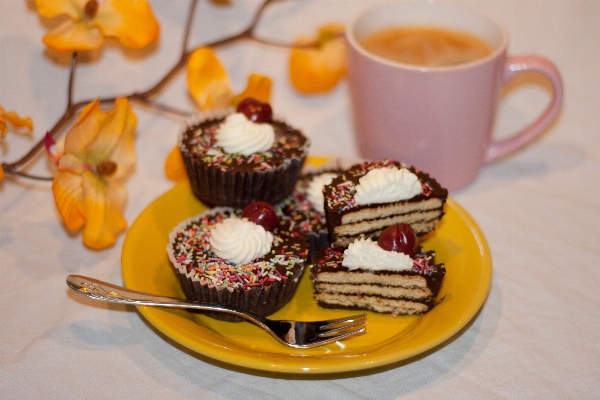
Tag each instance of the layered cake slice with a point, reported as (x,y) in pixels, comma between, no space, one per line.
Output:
(366,198)
(369,276)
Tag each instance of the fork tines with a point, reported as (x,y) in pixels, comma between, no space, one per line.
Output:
(344,327)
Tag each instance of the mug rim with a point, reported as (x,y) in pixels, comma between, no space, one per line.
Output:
(353,41)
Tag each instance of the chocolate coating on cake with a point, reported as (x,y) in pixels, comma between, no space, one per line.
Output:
(347,220)
(396,292)
(261,286)
(199,141)
(218,178)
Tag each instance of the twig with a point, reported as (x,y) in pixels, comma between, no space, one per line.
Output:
(71,80)
(11,171)
(145,97)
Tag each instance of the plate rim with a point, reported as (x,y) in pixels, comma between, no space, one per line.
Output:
(296,364)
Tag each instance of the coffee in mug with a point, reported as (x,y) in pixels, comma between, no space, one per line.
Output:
(437,118)
(426,46)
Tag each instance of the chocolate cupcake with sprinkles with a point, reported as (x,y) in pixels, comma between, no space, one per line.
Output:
(241,156)
(237,259)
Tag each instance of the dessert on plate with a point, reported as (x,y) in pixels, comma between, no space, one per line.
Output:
(391,275)
(304,209)
(237,157)
(238,259)
(368,197)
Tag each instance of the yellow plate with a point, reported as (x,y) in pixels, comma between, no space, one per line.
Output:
(458,241)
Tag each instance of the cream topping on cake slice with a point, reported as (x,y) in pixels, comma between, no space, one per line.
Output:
(366,254)
(387,185)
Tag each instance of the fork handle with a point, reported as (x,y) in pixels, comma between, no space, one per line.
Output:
(98,290)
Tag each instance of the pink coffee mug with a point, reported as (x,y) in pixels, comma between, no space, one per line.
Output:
(438,119)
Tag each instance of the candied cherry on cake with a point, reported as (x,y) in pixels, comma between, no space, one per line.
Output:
(399,238)
(261,213)
(254,110)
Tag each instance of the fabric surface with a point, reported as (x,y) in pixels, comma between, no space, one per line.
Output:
(536,335)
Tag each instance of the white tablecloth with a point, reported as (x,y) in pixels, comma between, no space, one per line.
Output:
(537,335)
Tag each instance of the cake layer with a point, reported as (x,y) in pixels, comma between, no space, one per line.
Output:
(418,294)
(399,292)
(422,222)
(348,218)
(340,276)
(373,303)
(390,210)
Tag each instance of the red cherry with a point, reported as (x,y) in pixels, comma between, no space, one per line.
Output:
(400,238)
(254,110)
(261,213)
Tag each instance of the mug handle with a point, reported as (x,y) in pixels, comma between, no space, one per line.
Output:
(514,66)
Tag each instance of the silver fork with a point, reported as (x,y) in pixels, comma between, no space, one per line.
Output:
(297,334)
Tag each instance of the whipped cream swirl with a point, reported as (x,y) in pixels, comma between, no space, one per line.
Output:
(366,254)
(386,185)
(314,191)
(240,241)
(237,134)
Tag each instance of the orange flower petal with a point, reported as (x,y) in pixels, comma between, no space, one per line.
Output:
(319,69)
(54,8)
(258,87)
(207,80)
(1,173)
(114,142)
(18,122)
(84,132)
(130,21)
(15,120)
(70,163)
(3,127)
(104,136)
(67,191)
(73,36)
(174,167)
(102,207)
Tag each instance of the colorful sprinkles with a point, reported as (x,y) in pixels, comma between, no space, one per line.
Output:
(299,212)
(191,248)
(200,141)
(343,188)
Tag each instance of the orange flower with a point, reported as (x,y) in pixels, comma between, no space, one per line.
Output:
(17,122)
(130,21)
(98,155)
(209,84)
(318,69)
(258,87)
(174,168)
(207,80)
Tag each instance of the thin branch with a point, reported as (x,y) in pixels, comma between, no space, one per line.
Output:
(11,171)
(282,45)
(144,97)
(39,146)
(161,107)
(71,80)
(188,27)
